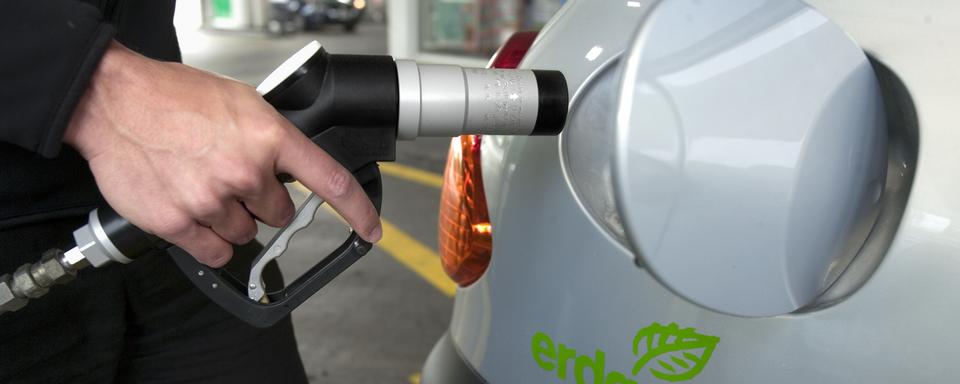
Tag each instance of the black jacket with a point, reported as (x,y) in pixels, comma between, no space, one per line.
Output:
(124,323)
(48,51)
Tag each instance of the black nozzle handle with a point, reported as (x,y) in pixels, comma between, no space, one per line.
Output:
(230,292)
(327,91)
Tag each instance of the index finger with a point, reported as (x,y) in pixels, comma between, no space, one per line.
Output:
(323,175)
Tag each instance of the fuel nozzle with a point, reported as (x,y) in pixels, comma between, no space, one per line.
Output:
(316,89)
(449,100)
(355,107)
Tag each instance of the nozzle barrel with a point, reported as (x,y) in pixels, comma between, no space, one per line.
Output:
(316,90)
(449,100)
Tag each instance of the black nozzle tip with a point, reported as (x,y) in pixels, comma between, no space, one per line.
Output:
(553,103)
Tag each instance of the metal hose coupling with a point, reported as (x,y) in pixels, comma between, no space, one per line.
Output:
(106,238)
(33,280)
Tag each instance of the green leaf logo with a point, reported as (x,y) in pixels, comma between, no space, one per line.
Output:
(674,354)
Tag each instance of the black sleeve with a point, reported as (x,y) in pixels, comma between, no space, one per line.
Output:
(48,51)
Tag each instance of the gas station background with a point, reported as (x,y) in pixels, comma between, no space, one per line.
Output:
(465,32)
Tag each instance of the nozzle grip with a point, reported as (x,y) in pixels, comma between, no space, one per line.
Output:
(357,141)
(229,292)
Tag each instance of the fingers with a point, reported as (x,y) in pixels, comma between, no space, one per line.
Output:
(233,223)
(203,244)
(270,204)
(327,178)
(214,225)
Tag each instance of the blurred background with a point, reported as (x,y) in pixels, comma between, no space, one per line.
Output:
(377,322)
(443,30)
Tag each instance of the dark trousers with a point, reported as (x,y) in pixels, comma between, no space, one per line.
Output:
(137,323)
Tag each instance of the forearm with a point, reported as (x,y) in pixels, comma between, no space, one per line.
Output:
(50,51)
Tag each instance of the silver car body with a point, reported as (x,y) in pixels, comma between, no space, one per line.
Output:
(558,271)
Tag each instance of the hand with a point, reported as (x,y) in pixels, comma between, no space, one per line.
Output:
(192,157)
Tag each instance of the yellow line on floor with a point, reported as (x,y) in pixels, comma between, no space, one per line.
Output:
(413,254)
(414,378)
(415,175)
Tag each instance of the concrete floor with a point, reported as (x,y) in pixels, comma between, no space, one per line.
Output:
(378,320)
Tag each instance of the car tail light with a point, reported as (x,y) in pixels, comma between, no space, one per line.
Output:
(511,53)
(465,233)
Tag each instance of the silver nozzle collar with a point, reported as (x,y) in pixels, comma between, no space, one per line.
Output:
(408,112)
(449,100)
(94,245)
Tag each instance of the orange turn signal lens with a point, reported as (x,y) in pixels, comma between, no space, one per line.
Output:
(465,232)
(466,236)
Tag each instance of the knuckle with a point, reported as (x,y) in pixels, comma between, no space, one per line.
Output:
(273,133)
(247,180)
(268,130)
(176,226)
(339,184)
(204,206)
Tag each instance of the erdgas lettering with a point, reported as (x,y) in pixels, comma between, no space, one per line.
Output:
(667,352)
